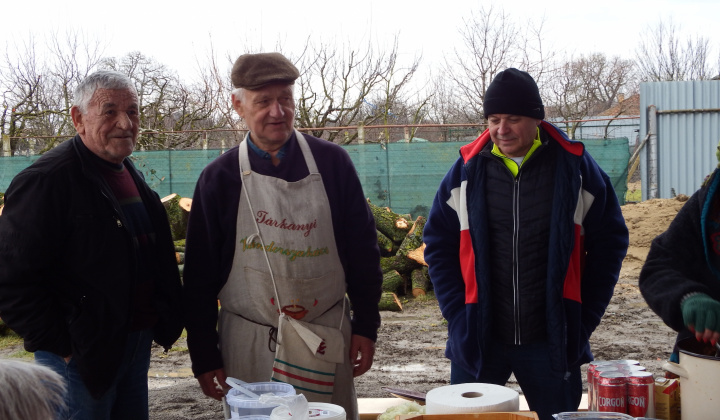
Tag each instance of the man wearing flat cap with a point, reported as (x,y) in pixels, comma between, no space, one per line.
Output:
(524,242)
(282,238)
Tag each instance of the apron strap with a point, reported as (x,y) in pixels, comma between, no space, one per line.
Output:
(245,173)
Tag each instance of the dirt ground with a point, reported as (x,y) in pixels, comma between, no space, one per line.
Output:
(411,343)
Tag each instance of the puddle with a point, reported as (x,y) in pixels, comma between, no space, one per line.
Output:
(404,368)
(183,372)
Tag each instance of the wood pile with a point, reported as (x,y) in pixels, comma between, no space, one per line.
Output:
(405,272)
(178,211)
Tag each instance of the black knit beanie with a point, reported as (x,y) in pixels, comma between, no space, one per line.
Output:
(515,92)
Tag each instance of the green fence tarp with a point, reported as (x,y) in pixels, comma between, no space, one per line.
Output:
(401,176)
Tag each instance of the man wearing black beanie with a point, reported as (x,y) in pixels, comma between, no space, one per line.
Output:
(524,241)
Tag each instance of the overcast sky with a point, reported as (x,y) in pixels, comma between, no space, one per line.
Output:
(179,32)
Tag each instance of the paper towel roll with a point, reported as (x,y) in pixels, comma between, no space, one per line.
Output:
(471,398)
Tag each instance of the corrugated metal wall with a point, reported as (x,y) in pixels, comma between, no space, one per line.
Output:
(688,132)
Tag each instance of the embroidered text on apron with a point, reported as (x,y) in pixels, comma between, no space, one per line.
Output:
(298,267)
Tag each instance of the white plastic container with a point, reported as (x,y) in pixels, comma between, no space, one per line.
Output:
(316,411)
(242,405)
(699,379)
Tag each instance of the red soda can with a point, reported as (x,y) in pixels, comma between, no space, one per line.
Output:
(626,362)
(630,369)
(641,394)
(591,380)
(596,374)
(612,392)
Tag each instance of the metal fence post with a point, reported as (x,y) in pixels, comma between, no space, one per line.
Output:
(652,157)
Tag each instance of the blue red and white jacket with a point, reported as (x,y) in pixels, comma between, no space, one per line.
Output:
(589,240)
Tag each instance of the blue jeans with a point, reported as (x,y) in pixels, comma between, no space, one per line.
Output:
(545,391)
(127,397)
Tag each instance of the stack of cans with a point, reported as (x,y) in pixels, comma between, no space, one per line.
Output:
(621,386)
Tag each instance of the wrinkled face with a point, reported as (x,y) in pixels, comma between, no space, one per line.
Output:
(269,113)
(110,126)
(513,134)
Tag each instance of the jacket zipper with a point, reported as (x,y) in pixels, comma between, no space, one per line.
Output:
(515,262)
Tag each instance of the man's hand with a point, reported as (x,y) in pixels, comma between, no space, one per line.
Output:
(213,383)
(362,351)
(701,314)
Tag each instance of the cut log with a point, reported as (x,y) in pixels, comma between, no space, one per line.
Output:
(387,247)
(389,223)
(4,329)
(393,282)
(390,302)
(414,239)
(178,210)
(420,280)
(418,255)
(398,263)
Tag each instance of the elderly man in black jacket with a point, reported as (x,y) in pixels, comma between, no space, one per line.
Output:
(88,275)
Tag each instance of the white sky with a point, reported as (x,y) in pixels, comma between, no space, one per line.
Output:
(179,32)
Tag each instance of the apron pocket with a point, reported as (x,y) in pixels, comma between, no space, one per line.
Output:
(307,356)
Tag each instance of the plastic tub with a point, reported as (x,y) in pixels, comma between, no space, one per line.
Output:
(243,405)
(316,411)
(593,415)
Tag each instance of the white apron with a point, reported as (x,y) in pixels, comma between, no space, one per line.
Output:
(285,260)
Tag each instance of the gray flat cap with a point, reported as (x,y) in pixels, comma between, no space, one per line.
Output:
(253,71)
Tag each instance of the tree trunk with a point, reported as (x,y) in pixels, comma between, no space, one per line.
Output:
(414,239)
(418,255)
(178,211)
(390,302)
(386,244)
(393,282)
(420,280)
(399,263)
(389,223)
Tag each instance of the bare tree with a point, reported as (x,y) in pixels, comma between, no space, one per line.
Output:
(585,86)
(492,41)
(341,87)
(167,104)
(37,88)
(663,56)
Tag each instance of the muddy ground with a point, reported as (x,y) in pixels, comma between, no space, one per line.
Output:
(411,343)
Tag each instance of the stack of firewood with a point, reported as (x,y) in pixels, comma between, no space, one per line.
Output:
(178,211)
(405,272)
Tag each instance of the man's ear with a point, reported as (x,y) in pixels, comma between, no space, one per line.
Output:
(77,119)
(237,105)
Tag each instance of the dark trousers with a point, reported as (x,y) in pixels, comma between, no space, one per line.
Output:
(545,391)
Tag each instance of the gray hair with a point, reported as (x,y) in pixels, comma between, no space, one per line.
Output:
(103,79)
(238,93)
(30,391)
